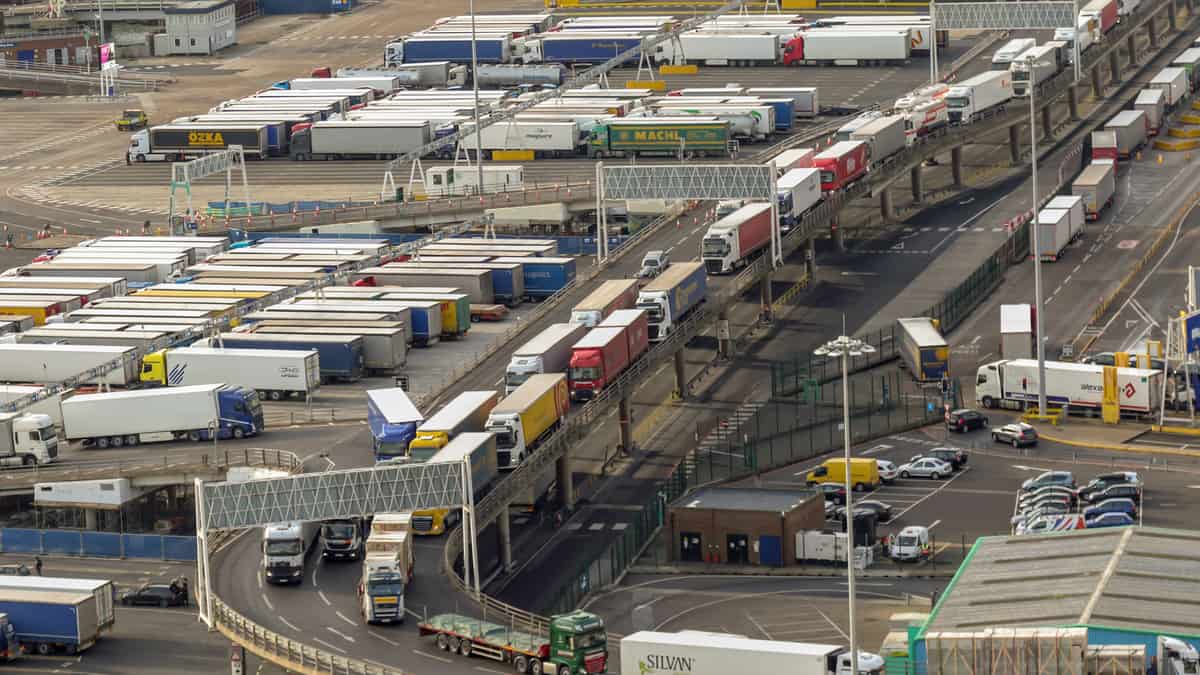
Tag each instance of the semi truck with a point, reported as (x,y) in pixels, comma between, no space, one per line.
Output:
(385,350)
(274,374)
(660,136)
(1103,12)
(1104,145)
(529,415)
(452,47)
(923,349)
(703,653)
(1012,383)
(154,415)
(976,97)
(476,284)
(721,49)
(841,164)
(1130,127)
(393,420)
(608,297)
(547,352)
(506,75)
(431,74)
(481,452)
(103,590)
(176,142)
(1059,223)
(466,412)
(730,242)
(49,621)
(30,439)
(1174,84)
(602,355)
(1010,51)
(843,47)
(387,570)
(543,138)
(670,297)
(1096,185)
(285,549)
(572,47)
(358,139)
(799,190)
(1189,60)
(544,276)
(1027,76)
(45,364)
(574,644)
(1153,102)
(340,357)
(342,538)
(884,136)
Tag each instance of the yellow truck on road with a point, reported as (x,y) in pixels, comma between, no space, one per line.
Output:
(132,120)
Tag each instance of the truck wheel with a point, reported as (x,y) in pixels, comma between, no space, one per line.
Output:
(442,643)
(238,432)
(464,648)
(454,644)
(275,395)
(141,158)
(520,664)
(43,648)
(193,436)
(29,460)
(564,670)
(102,443)
(131,440)
(535,667)
(989,402)
(117,441)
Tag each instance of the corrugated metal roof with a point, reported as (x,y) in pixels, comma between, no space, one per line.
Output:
(1137,578)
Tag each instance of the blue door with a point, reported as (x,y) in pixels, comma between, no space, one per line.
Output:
(770,552)
(25,55)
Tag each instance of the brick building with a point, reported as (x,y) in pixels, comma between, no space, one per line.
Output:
(743,526)
(58,49)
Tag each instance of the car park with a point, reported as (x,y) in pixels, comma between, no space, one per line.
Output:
(926,467)
(1120,490)
(965,420)
(882,511)
(1016,435)
(834,492)
(1046,491)
(1045,500)
(1118,505)
(887,470)
(1060,478)
(1106,480)
(1109,520)
(1050,523)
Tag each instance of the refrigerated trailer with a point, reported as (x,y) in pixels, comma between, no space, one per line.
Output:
(923,349)
(1079,385)
(153,415)
(704,653)
(547,352)
(46,363)
(1096,185)
(720,49)
(274,374)
(1130,127)
(884,136)
(671,296)
(799,190)
(1153,102)
(819,47)
(1174,84)
(359,139)
(608,297)
(976,97)
(730,242)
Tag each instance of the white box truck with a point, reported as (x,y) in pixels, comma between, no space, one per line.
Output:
(273,373)
(45,363)
(1073,205)
(1096,185)
(1174,84)
(884,137)
(153,415)
(545,139)
(1010,51)
(1081,385)
(702,653)
(721,49)
(799,190)
(1053,234)
(50,405)
(1153,102)
(970,99)
(1017,324)
(1028,76)
(1130,127)
(548,352)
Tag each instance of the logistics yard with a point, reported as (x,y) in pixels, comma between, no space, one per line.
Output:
(397,393)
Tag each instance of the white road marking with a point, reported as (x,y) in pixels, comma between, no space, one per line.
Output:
(339,633)
(289,624)
(934,524)
(941,487)
(89,220)
(432,656)
(323,598)
(876,448)
(329,645)
(347,619)
(759,626)
(387,640)
(1022,467)
(268,601)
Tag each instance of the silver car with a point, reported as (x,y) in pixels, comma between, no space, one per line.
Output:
(926,467)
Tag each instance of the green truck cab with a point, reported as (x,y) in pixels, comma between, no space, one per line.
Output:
(131,120)
(577,643)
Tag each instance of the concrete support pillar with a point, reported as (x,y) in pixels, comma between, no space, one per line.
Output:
(1131,49)
(1073,103)
(1047,123)
(1014,144)
(625,424)
(504,539)
(839,239)
(956,166)
(89,520)
(810,259)
(1172,20)
(1097,84)
(566,487)
(1114,64)
(724,346)
(918,185)
(680,376)
(885,205)
(1152,31)
(766,299)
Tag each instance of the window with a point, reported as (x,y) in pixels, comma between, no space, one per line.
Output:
(176,42)
(193,41)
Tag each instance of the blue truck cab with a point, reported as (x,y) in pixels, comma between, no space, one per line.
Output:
(393,420)
(241,412)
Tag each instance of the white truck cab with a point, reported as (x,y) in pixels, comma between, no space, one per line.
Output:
(1176,657)
(33,440)
(285,546)
(139,149)
(381,590)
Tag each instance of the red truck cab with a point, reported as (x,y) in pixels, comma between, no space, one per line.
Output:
(596,360)
(841,164)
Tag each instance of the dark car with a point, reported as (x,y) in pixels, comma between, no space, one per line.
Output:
(1111,506)
(955,457)
(965,420)
(883,512)
(1110,359)
(162,595)
(1125,490)
(1107,480)
(1064,478)
(834,492)
(1110,520)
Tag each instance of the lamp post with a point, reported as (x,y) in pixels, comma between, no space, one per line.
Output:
(846,347)
(1034,235)
(475,89)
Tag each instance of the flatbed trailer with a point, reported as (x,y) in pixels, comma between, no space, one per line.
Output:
(576,643)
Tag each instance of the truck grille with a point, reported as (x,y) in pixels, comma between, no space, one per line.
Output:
(595,663)
(422,523)
(712,266)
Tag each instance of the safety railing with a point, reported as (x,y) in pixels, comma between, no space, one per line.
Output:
(19,71)
(286,652)
(218,460)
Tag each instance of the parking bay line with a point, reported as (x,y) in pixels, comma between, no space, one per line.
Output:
(934,492)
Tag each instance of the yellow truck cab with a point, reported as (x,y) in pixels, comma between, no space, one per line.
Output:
(131,120)
(864,473)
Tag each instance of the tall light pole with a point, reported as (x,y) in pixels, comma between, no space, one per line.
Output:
(846,347)
(475,89)
(1035,234)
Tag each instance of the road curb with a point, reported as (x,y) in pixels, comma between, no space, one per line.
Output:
(1179,431)
(1115,447)
(671,570)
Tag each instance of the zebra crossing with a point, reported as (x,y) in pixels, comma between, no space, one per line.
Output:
(165,66)
(722,436)
(327,38)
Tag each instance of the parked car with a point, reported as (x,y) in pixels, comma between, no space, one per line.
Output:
(1118,505)
(1106,480)
(887,470)
(965,420)
(1016,435)
(1109,520)
(1110,359)
(1058,500)
(1062,478)
(653,264)
(882,511)
(1046,491)
(834,492)
(1051,523)
(1120,490)
(912,543)
(1040,512)
(926,467)
(162,595)
(955,456)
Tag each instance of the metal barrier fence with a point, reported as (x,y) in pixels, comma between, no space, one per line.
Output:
(98,544)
